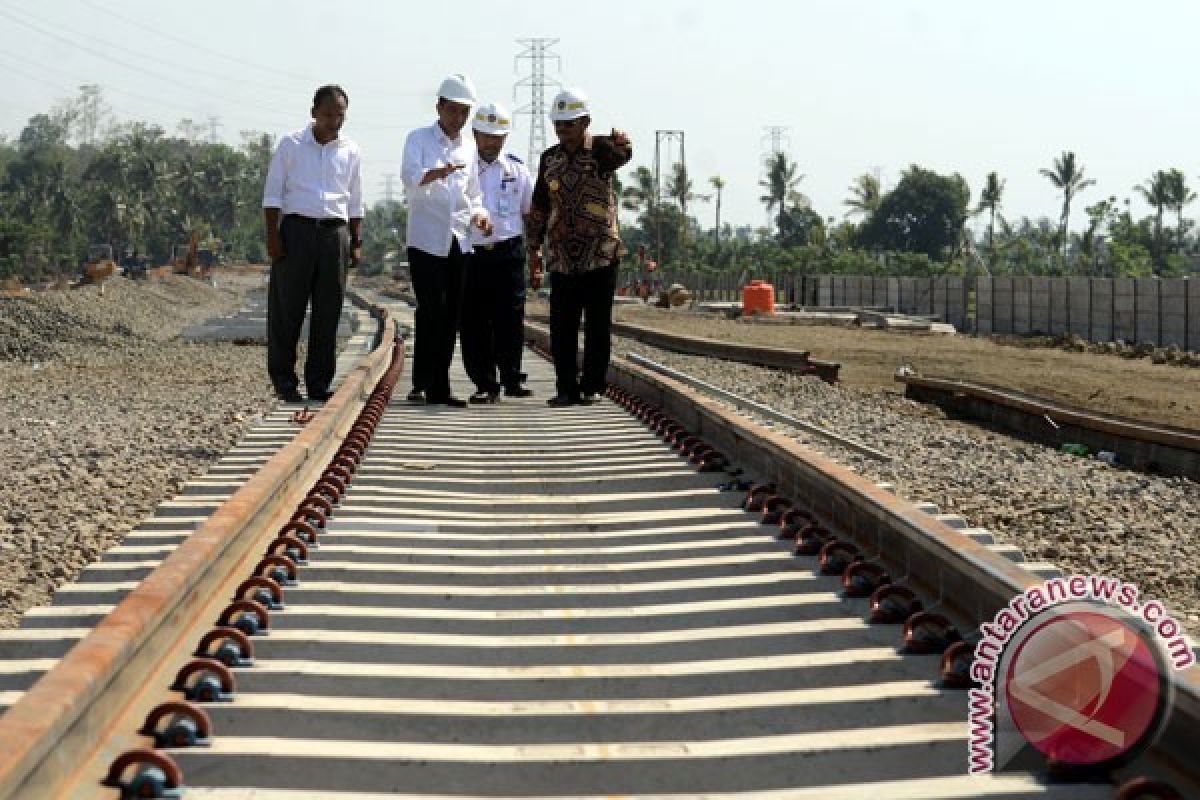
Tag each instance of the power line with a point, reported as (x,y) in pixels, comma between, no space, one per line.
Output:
(189,43)
(72,83)
(157,75)
(537,51)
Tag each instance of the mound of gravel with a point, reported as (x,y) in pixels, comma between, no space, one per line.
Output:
(104,413)
(1080,513)
(78,323)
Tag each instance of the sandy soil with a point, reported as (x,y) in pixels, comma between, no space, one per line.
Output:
(1111,384)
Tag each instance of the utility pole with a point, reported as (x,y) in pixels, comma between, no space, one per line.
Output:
(214,122)
(537,51)
(663,140)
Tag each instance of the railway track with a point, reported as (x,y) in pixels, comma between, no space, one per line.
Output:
(507,601)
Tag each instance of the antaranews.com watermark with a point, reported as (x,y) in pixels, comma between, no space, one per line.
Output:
(1079,668)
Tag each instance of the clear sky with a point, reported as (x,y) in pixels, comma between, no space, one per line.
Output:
(952,85)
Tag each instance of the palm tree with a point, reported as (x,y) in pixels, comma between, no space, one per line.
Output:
(780,183)
(718,183)
(865,196)
(1179,196)
(641,194)
(1156,192)
(679,187)
(989,200)
(1068,178)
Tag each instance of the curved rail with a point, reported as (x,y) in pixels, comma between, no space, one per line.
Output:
(1142,445)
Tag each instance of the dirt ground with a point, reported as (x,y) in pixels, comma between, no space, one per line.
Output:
(1135,388)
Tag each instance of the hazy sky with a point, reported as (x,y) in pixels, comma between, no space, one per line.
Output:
(952,85)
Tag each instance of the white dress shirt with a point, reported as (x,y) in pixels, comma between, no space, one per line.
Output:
(315,180)
(507,195)
(440,211)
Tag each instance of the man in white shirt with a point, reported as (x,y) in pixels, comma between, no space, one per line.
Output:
(444,204)
(313,207)
(494,291)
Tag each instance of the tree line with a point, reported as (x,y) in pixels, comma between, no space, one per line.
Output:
(143,190)
(134,187)
(918,227)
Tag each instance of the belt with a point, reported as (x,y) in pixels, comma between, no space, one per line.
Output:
(328,222)
(512,241)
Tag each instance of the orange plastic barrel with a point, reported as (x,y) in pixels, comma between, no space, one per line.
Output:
(758,298)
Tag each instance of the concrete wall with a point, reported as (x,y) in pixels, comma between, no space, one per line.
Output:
(1162,312)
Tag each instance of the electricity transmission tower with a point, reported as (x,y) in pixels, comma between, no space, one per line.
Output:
(89,112)
(777,135)
(537,51)
(214,122)
(389,181)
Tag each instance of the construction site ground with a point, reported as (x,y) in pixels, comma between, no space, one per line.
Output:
(1110,384)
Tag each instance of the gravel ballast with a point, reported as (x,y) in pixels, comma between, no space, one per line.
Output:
(105,412)
(1080,513)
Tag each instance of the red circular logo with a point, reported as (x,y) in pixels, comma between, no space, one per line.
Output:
(1084,688)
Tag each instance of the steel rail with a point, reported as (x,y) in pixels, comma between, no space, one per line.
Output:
(65,721)
(968,582)
(759,409)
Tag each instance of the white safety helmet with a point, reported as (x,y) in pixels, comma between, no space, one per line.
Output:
(570,104)
(492,118)
(458,88)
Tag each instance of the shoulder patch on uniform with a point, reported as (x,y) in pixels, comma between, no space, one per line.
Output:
(514,158)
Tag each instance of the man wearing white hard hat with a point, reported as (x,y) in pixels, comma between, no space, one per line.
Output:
(494,290)
(574,220)
(444,205)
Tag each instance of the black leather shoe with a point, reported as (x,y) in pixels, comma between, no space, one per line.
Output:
(417,396)
(449,402)
(320,397)
(562,401)
(587,399)
(480,398)
(289,396)
(518,391)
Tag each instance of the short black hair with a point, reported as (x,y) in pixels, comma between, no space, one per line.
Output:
(329,90)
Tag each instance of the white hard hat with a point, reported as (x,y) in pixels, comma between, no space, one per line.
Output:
(492,118)
(458,88)
(570,104)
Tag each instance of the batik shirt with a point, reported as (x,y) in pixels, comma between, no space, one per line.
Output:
(574,206)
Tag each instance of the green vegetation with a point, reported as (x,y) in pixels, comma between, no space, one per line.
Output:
(64,187)
(135,188)
(919,228)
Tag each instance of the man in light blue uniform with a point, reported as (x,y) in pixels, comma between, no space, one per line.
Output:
(494,294)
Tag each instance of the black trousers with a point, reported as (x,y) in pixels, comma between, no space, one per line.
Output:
(493,315)
(589,294)
(314,268)
(437,282)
